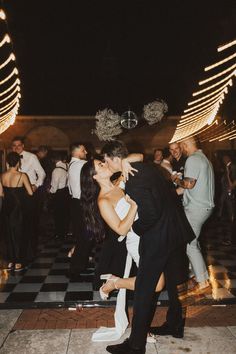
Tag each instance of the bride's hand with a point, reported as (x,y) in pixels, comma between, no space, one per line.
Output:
(130,201)
(127,169)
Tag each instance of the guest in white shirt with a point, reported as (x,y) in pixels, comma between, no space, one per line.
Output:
(80,255)
(29,163)
(59,191)
(31,166)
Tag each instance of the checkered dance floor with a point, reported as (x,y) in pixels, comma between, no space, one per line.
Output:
(44,284)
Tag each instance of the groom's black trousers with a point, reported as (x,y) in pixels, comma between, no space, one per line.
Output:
(152,264)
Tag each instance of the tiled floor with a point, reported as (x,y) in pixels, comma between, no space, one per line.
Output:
(44,284)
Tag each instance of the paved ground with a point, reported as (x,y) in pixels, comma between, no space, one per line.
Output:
(209,330)
(198,340)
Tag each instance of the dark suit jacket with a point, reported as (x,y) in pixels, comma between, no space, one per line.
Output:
(162,223)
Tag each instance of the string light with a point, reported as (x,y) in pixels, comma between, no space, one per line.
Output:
(226,46)
(16,82)
(229,137)
(14,72)
(11,57)
(203,110)
(218,75)
(232,137)
(222,89)
(2,15)
(216,134)
(195,119)
(218,137)
(6,39)
(216,84)
(14,99)
(220,62)
(212,99)
(17,89)
(13,111)
(9,104)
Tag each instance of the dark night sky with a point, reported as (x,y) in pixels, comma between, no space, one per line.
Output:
(76,57)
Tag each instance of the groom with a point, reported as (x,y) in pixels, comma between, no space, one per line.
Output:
(164,232)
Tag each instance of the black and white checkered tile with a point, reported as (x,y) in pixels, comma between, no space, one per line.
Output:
(45,283)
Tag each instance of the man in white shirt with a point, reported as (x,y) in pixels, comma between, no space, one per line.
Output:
(80,255)
(31,166)
(29,163)
(59,191)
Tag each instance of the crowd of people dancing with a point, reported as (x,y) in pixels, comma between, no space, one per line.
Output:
(145,213)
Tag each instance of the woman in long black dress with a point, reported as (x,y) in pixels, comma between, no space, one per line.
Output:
(16,213)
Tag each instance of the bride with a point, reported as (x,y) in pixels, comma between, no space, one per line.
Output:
(101,200)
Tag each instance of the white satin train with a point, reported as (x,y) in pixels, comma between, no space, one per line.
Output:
(121,321)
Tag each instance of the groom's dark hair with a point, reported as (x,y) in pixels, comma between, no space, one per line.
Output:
(115,148)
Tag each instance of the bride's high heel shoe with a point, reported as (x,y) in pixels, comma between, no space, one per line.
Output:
(107,277)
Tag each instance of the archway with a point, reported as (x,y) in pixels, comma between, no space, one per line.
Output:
(47,135)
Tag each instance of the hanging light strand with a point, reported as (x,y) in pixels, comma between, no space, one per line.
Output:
(9,104)
(204,109)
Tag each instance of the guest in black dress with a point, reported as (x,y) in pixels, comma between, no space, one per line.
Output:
(16,214)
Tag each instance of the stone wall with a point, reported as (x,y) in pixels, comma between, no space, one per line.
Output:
(59,131)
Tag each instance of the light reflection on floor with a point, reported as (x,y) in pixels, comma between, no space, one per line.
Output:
(45,282)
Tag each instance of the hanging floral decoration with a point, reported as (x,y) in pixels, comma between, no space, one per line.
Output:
(154,112)
(107,125)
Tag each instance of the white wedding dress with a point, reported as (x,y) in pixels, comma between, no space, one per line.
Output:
(132,244)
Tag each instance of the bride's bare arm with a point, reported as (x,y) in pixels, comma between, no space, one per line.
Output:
(108,213)
(136,157)
(127,168)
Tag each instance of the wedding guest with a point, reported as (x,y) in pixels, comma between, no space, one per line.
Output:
(43,156)
(60,193)
(1,196)
(158,156)
(227,197)
(167,160)
(29,163)
(16,212)
(179,159)
(31,166)
(80,255)
(197,188)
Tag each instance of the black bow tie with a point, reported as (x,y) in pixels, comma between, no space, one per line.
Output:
(21,156)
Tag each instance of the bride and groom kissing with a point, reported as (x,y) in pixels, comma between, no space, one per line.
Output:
(156,232)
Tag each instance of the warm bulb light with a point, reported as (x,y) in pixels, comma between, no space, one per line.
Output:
(2,15)
(17,89)
(220,62)
(219,74)
(14,72)
(6,39)
(226,46)
(216,84)
(11,57)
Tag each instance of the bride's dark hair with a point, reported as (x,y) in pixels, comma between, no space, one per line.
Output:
(90,189)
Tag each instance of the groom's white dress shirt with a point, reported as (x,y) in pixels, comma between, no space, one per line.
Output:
(31,166)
